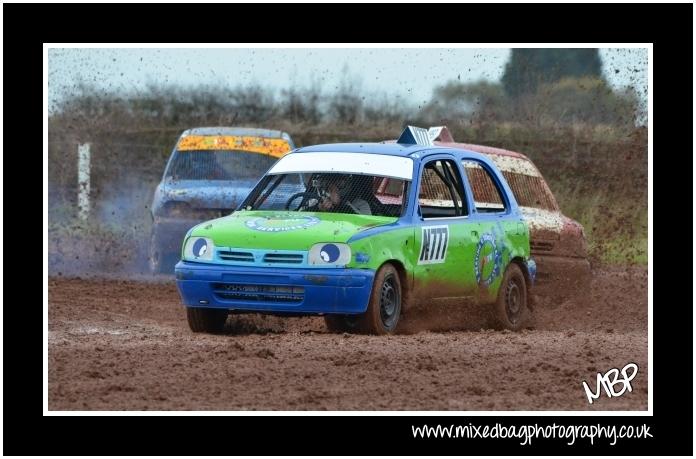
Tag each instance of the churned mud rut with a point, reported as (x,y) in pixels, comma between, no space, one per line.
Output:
(125,345)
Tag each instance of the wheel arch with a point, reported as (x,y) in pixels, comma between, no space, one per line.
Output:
(519,261)
(404,278)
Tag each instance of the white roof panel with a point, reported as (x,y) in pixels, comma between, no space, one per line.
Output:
(349,163)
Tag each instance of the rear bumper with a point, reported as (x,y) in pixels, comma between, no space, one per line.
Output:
(553,268)
(286,290)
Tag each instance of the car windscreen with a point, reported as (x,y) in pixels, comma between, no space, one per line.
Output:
(218,165)
(330,192)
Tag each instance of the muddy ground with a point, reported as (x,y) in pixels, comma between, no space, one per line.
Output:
(125,345)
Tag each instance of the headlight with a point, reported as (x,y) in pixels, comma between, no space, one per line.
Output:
(329,253)
(199,248)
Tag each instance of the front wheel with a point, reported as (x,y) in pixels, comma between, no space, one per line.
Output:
(384,309)
(510,309)
(206,320)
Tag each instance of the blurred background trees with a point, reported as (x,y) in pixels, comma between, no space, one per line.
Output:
(553,105)
(528,69)
(539,87)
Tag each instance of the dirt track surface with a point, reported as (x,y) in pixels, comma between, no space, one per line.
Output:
(125,345)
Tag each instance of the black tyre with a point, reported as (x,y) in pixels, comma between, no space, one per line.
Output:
(511,309)
(384,309)
(206,320)
(342,323)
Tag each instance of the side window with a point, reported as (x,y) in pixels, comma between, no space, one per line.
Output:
(441,192)
(487,196)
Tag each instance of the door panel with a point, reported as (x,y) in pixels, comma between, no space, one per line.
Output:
(497,232)
(445,238)
(446,258)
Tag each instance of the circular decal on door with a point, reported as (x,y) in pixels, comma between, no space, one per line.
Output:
(487,261)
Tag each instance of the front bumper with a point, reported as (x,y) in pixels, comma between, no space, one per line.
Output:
(283,290)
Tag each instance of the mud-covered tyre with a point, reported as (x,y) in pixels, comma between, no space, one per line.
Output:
(206,320)
(336,323)
(511,309)
(384,308)
(156,262)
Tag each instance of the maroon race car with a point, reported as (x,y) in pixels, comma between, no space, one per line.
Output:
(558,243)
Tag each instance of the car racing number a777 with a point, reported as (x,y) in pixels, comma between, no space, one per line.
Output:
(434,242)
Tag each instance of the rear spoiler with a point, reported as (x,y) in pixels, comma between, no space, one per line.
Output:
(420,136)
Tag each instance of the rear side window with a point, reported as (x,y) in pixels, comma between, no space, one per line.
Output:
(441,193)
(488,197)
(530,191)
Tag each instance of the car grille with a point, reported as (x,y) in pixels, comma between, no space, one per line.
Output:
(294,258)
(270,257)
(541,246)
(229,255)
(266,293)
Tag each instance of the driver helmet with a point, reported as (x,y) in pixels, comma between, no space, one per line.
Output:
(341,181)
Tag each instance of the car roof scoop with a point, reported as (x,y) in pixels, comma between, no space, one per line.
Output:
(413,135)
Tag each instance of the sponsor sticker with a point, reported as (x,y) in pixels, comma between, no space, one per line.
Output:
(488,260)
(281,223)
(434,243)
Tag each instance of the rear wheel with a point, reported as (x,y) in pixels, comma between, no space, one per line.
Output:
(384,309)
(510,309)
(206,320)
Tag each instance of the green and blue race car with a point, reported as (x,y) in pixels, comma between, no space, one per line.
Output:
(356,233)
